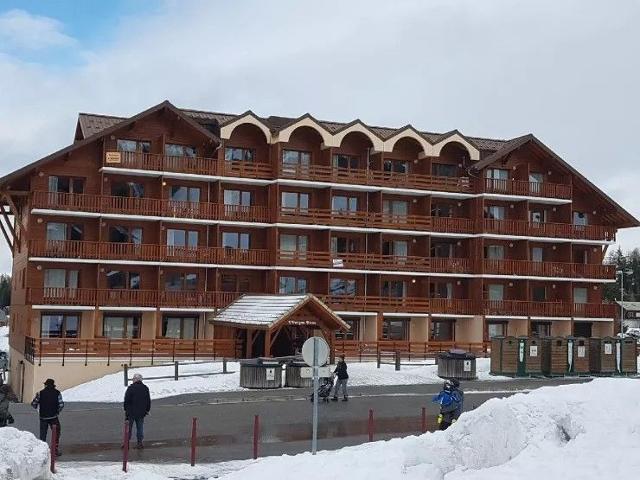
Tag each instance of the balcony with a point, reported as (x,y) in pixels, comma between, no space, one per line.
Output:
(552,230)
(548,309)
(104,204)
(146,252)
(548,269)
(190,165)
(526,188)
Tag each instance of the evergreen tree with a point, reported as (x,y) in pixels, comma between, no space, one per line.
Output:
(5,290)
(624,262)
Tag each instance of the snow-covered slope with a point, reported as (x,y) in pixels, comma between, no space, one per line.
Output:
(22,456)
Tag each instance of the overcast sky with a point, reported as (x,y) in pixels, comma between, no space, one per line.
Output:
(568,71)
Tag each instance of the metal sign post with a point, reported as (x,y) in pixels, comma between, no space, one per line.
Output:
(315,352)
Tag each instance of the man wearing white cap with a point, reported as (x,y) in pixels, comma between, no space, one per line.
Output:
(137,403)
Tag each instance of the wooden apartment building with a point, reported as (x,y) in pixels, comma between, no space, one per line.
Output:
(128,242)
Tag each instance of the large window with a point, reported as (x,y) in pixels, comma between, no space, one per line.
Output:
(397,166)
(341,160)
(127,189)
(234,154)
(236,240)
(539,294)
(343,245)
(60,278)
(117,326)
(580,295)
(179,327)
(237,197)
(118,279)
(64,231)
(442,210)
(122,234)
(538,215)
(354,330)
(395,207)
(442,330)
(441,290)
(178,281)
(442,250)
(175,150)
(444,170)
(396,248)
(494,212)
(296,157)
(495,292)
(289,285)
(134,146)
(340,203)
(185,194)
(182,238)
(537,254)
(66,184)
(396,329)
(342,286)
(293,244)
(59,325)
(295,201)
(494,252)
(497,174)
(541,329)
(580,218)
(496,329)
(235,283)
(394,288)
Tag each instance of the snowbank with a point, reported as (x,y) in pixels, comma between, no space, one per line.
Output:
(110,388)
(4,339)
(22,456)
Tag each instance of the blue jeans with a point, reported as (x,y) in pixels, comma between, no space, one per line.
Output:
(139,428)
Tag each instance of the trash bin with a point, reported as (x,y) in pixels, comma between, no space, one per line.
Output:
(532,355)
(626,356)
(260,373)
(457,364)
(603,356)
(555,360)
(578,354)
(504,356)
(292,376)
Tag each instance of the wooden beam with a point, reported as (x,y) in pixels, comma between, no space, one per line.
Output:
(249,343)
(9,224)
(274,337)
(6,236)
(267,343)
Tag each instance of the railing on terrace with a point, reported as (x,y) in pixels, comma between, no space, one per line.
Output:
(548,269)
(114,349)
(523,187)
(356,349)
(548,309)
(542,229)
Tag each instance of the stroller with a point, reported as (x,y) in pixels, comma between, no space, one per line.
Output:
(324,388)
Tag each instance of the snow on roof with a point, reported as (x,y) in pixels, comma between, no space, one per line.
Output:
(264,310)
(629,305)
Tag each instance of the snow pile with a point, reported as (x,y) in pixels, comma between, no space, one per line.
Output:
(587,431)
(22,456)
(110,388)
(4,339)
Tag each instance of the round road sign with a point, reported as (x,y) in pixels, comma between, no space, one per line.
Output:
(323,351)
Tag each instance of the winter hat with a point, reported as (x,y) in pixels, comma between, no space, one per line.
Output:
(137,378)
(49,382)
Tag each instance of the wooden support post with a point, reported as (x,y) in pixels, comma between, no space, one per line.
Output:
(54,447)
(193,441)
(370,427)
(126,375)
(175,371)
(424,420)
(125,446)
(256,435)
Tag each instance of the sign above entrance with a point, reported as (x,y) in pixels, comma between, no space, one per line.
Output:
(323,351)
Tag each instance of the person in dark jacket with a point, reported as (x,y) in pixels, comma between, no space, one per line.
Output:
(49,401)
(451,400)
(6,396)
(343,376)
(137,404)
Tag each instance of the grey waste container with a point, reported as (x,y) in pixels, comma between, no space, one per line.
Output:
(457,364)
(260,373)
(292,376)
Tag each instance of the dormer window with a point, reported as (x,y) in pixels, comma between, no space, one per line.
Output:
(134,146)
(174,150)
(232,154)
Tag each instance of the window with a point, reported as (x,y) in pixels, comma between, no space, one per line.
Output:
(395,207)
(237,197)
(121,234)
(134,146)
(179,327)
(66,184)
(442,330)
(497,174)
(127,189)
(442,250)
(396,329)
(394,288)
(174,150)
(580,295)
(60,278)
(536,177)
(580,218)
(538,216)
(539,294)
(185,194)
(541,329)
(582,329)
(117,279)
(495,292)
(177,281)
(494,252)
(537,254)
(295,200)
(341,203)
(343,245)
(441,290)
(295,157)
(293,243)
(444,170)
(62,231)
(234,283)
(397,166)
(354,331)
(341,286)
(442,210)
(397,248)
(234,154)
(289,285)
(235,240)
(494,212)
(182,238)
(59,325)
(341,160)
(496,329)
(121,326)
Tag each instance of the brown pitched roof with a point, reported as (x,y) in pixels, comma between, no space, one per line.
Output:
(90,124)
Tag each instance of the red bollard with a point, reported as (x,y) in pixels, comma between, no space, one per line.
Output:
(256,435)
(125,448)
(424,420)
(193,441)
(54,447)
(370,425)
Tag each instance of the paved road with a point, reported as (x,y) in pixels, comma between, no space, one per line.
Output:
(93,431)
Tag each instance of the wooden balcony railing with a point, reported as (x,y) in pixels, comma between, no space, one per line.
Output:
(540,229)
(523,187)
(375,303)
(549,309)
(359,350)
(548,269)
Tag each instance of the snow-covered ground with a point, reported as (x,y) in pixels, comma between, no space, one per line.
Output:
(583,431)
(4,339)
(22,456)
(110,388)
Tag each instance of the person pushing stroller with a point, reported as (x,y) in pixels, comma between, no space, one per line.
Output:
(450,399)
